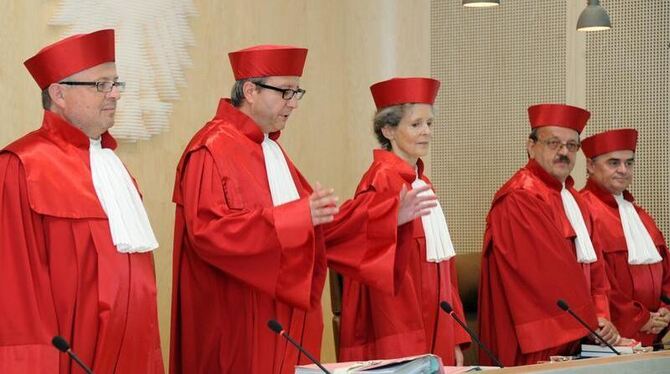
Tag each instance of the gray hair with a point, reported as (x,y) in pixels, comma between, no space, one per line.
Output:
(46,99)
(389,116)
(237,92)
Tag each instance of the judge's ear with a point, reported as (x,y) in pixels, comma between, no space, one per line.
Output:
(590,166)
(389,132)
(250,90)
(530,146)
(57,94)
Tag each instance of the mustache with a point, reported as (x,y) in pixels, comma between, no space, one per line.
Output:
(562,158)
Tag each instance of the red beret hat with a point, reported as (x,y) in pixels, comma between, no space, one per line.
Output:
(610,141)
(560,115)
(71,55)
(268,61)
(405,90)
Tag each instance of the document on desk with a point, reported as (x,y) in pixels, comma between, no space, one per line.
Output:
(424,364)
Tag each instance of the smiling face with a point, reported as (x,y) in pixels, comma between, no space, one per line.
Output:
(267,107)
(410,139)
(613,171)
(83,106)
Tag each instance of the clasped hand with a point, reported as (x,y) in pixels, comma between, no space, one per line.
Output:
(657,321)
(608,332)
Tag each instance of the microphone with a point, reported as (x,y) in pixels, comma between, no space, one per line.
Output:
(276,327)
(665,299)
(563,305)
(450,311)
(62,345)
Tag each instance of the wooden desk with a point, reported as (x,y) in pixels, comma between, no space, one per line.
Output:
(652,362)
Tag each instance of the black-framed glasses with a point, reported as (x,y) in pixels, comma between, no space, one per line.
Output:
(555,144)
(101,86)
(286,93)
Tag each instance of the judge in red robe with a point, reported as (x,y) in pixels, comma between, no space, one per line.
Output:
(65,271)
(537,250)
(636,255)
(249,239)
(376,323)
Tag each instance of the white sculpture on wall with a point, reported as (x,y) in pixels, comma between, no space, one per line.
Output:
(152,37)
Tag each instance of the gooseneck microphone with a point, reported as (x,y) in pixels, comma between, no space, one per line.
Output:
(276,327)
(450,311)
(62,345)
(563,305)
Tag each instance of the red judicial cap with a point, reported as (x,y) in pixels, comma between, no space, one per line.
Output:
(71,55)
(560,115)
(610,141)
(404,90)
(268,61)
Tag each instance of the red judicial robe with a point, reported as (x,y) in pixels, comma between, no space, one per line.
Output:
(636,289)
(240,261)
(61,273)
(528,263)
(378,324)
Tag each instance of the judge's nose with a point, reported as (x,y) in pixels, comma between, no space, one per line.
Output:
(622,168)
(292,102)
(426,130)
(115,93)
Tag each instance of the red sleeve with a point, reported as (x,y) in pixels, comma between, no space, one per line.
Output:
(460,336)
(536,267)
(665,253)
(660,242)
(633,312)
(600,286)
(662,247)
(272,249)
(361,241)
(27,314)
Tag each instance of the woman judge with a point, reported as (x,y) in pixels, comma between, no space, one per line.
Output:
(377,324)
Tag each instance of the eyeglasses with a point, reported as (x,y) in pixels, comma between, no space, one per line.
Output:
(101,86)
(555,144)
(286,93)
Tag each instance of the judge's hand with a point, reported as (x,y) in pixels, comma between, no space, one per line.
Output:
(664,314)
(322,204)
(607,331)
(654,325)
(412,205)
(626,342)
(458,354)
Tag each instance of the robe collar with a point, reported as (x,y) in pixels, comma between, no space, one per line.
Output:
(245,124)
(63,133)
(606,196)
(406,171)
(536,169)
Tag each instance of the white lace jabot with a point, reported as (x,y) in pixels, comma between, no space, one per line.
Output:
(128,220)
